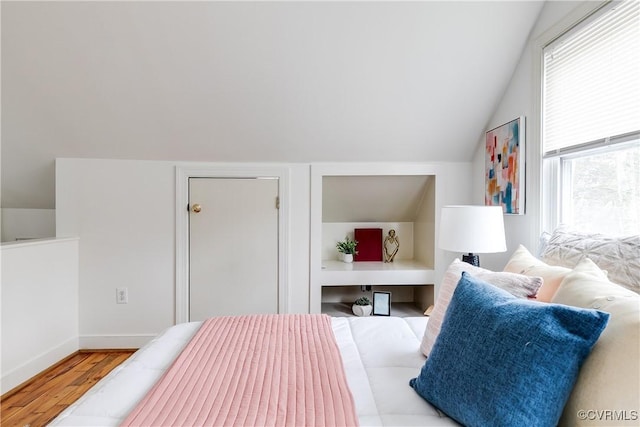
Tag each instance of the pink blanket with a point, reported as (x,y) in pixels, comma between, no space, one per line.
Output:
(258,370)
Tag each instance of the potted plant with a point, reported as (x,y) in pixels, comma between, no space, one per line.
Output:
(362,307)
(347,248)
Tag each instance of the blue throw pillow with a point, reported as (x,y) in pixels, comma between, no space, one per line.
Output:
(504,361)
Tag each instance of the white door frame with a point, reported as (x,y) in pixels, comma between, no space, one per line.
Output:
(227,170)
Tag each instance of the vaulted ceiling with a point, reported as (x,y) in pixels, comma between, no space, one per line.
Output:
(249,81)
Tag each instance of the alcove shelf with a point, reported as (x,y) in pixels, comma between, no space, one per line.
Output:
(399,272)
(387,196)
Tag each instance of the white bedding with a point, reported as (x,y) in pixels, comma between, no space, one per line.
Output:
(380,355)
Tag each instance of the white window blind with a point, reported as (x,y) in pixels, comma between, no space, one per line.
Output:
(592,80)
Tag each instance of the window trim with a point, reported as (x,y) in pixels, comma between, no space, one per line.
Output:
(599,145)
(557,172)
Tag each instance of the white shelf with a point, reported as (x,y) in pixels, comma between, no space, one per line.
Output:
(399,272)
(398,309)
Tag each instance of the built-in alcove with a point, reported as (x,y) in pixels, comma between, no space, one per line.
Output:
(405,203)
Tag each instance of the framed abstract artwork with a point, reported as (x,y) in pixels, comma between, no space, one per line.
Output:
(505,167)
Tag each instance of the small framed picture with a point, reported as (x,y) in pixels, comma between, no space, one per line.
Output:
(382,303)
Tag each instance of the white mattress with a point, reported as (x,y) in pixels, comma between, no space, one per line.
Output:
(380,355)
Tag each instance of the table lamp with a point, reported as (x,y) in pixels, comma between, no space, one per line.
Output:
(472,229)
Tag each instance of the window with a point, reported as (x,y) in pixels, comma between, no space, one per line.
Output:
(591,123)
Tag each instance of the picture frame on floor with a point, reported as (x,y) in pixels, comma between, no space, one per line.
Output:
(382,303)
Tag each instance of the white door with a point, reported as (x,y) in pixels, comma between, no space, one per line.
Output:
(233,247)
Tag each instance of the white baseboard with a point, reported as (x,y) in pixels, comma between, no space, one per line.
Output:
(90,342)
(37,364)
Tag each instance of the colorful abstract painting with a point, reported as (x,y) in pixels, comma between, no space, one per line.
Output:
(504,167)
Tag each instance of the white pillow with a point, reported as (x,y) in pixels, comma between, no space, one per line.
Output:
(516,284)
(609,379)
(543,240)
(620,256)
(523,262)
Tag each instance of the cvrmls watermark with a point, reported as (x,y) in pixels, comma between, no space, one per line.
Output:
(608,415)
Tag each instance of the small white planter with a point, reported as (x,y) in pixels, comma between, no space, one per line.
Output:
(347,257)
(361,310)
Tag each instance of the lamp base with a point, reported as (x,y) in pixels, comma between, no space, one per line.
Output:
(471,259)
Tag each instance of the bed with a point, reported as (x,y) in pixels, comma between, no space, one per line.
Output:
(380,355)
(465,376)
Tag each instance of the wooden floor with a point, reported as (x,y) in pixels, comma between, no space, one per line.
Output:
(42,398)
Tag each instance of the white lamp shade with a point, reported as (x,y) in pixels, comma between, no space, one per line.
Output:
(473,229)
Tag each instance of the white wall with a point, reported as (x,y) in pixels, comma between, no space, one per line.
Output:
(299,238)
(425,225)
(237,81)
(39,307)
(124,213)
(522,97)
(27,224)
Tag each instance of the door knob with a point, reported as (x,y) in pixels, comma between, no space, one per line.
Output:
(196,208)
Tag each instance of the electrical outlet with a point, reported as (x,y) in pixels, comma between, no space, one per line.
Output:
(122,295)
